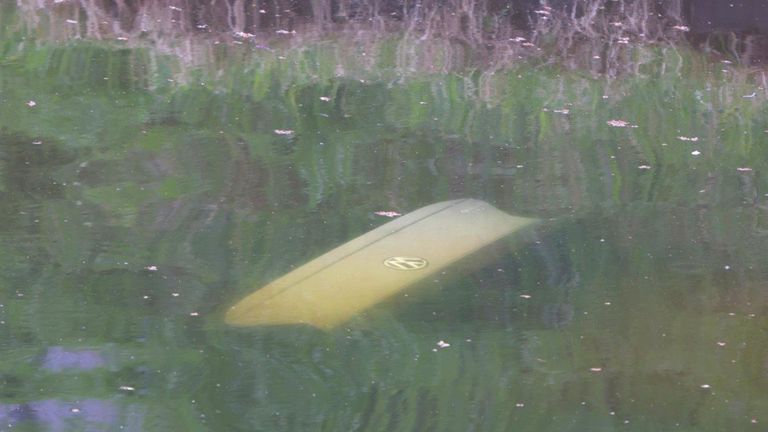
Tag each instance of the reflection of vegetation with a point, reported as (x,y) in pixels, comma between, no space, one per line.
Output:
(104,179)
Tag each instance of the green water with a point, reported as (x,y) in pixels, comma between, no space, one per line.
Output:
(143,193)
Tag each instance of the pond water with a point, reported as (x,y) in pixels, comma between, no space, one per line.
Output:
(144,192)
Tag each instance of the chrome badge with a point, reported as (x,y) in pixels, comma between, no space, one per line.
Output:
(406,263)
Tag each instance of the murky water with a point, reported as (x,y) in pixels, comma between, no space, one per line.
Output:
(144,193)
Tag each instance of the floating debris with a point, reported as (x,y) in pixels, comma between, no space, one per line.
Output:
(389,214)
(525,296)
(519,404)
(442,344)
(685,138)
(31,103)
(285,31)
(695,152)
(750,96)
(681,28)
(151,268)
(596,369)
(194,314)
(744,169)
(620,123)
(245,35)
(127,388)
(325,98)
(705,386)
(284,132)
(644,167)
(721,343)
(562,111)
(71,21)
(174,8)
(37,142)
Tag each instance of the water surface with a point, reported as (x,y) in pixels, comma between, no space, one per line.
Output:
(143,193)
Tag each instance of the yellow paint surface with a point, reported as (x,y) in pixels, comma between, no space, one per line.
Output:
(353,277)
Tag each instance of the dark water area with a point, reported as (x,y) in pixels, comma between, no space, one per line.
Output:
(152,175)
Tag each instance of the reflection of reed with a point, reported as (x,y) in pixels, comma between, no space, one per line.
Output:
(436,36)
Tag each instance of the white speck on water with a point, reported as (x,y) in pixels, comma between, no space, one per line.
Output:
(727,267)
(325,98)
(151,268)
(31,103)
(596,369)
(618,123)
(519,404)
(442,344)
(607,303)
(387,213)
(705,386)
(721,343)
(127,388)
(744,169)
(525,296)
(644,167)
(175,294)
(75,410)
(71,21)
(695,152)
(194,314)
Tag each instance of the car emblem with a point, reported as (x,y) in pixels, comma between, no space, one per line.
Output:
(405,263)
